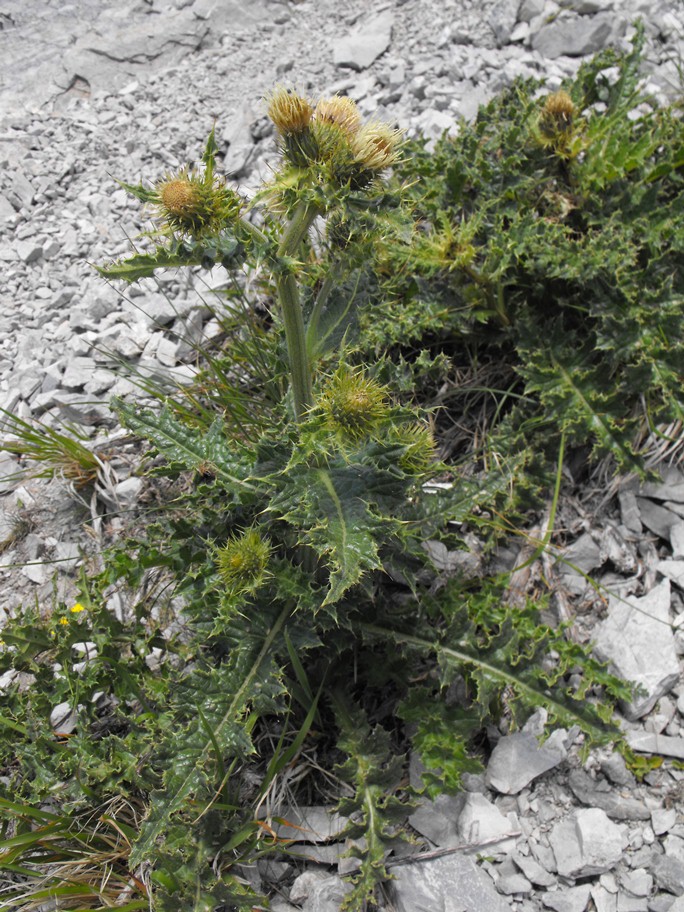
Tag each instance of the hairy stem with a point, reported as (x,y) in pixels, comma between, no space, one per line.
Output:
(288,294)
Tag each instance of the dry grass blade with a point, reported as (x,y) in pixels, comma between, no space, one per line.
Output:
(73,862)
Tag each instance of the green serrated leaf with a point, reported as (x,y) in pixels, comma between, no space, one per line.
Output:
(186,446)
(225,697)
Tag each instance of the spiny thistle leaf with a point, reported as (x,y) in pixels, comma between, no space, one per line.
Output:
(187,447)
(223,248)
(502,649)
(441,739)
(374,771)
(218,731)
(328,506)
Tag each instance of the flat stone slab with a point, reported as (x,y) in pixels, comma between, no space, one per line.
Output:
(637,640)
(365,44)
(651,743)
(585,843)
(574,37)
(518,759)
(673,570)
(572,899)
(453,883)
(611,800)
(310,824)
(481,822)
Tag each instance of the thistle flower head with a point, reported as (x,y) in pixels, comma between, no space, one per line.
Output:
(353,405)
(339,111)
(557,115)
(241,563)
(376,146)
(290,112)
(190,204)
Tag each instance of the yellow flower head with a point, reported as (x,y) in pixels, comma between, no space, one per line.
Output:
(290,112)
(339,111)
(180,196)
(376,146)
(64,621)
(558,114)
(77,608)
(191,203)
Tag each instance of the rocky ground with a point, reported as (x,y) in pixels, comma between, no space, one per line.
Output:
(93,90)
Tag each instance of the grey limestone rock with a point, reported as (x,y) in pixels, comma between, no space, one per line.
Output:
(658,519)
(669,874)
(313,824)
(502,19)
(63,719)
(604,900)
(617,805)
(652,743)
(319,891)
(637,641)
(586,843)
(533,871)
(450,884)
(481,822)
(662,820)
(519,758)
(571,899)
(676,906)
(528,9)
(677,540)
(671,487)
(674,570)
(588,6)
(437,820)
(638,882)
(365,44)
(574,36)
(509,884)
(615,769)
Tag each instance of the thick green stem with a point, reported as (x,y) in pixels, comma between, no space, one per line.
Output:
(290,302)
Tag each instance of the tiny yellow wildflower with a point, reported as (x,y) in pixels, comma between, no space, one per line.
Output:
(64,621)
(77,608)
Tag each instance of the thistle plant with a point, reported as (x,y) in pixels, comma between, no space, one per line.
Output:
(547,268)
(295,542)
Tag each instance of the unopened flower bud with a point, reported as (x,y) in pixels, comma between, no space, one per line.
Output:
(242,561)
(354,405)
(191,204)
